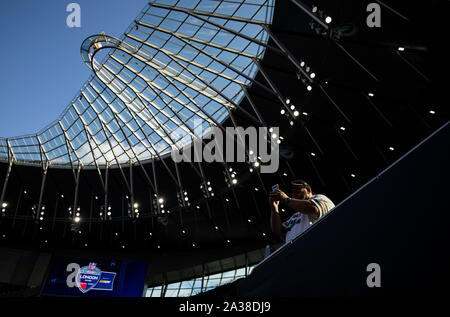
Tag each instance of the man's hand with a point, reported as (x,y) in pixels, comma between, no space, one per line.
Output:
(274,204)
(278,195)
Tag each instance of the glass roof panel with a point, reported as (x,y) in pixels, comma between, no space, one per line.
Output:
(178,62)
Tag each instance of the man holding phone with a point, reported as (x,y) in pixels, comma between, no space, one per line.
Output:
(307,206)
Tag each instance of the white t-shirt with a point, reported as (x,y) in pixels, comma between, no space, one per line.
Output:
(300,222)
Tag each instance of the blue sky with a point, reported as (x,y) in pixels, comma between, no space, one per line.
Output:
(40,62)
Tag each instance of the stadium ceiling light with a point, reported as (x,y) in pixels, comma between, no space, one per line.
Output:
(283,111)
(312,75)
(4,205)
(309,87)
(292,107)
(328,20)
(77,219)
(288,101)
(296,113)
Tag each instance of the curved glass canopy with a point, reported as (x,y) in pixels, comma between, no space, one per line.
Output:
(179,65)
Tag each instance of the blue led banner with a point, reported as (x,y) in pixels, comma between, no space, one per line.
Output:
(106,278)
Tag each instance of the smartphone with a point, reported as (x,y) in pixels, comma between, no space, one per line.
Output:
(275,187)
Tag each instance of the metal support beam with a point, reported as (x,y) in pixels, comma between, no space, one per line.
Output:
(289,55)
(77,183)
(309,12)
(5,183)
(41,194)
(274,88)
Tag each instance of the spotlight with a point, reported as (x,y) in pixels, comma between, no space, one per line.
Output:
(274,135)
(4,205)
(305,113)
(136,205)
(292,107)
(161,200)
(328,20)
(312,75)
(313,154)
(314,9)
(302,64)
(296,113)
(288,101)
(77,219)
(309,87)
(432,112)
(401,49)
(234,181)
(342,128)
(391,148)
(283,111)
(256,164)
(353,175)
(370,94)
